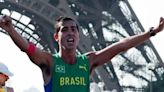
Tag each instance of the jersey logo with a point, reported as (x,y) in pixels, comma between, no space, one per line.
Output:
(83,67)
(60,68)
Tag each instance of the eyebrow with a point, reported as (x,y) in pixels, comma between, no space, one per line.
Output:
(70,27)
(73,26)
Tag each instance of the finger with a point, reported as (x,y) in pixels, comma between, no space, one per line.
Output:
(5,19)
(161,19)
(2,18)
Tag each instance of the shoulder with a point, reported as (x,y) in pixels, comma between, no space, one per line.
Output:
(91,55)
(41,57)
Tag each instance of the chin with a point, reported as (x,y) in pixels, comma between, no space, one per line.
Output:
(3,84)
(71,48)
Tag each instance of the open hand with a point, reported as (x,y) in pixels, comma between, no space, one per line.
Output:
(160,27)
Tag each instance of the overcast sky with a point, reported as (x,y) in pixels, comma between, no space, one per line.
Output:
(149,13)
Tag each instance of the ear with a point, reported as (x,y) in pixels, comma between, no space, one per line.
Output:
(56,37)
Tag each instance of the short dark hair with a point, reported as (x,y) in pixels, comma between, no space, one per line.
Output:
(62,19)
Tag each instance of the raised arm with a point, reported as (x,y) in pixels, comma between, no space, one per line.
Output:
(5,23)
(38,57)
(100,57)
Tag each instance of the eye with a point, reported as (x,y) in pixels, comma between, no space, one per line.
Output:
(64,29)
(73,29)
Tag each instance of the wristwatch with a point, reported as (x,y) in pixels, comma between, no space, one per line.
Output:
(151,31)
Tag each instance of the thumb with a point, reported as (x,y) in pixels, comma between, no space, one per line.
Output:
(161,20)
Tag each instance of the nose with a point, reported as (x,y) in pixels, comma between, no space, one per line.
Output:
(70,31)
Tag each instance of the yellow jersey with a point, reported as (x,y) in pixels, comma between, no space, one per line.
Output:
(2,89)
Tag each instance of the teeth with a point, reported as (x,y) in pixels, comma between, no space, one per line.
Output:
(70,40)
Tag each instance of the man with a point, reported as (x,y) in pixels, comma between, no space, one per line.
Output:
(65,71)
(4,76)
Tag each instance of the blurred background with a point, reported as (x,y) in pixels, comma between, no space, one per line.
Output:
(102,23)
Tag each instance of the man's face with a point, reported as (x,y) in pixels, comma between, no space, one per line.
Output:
(3,79)
(68,35)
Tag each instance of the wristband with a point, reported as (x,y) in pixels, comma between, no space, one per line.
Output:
(31,49)
(151,31)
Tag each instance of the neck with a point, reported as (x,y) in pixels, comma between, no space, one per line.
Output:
(68,57)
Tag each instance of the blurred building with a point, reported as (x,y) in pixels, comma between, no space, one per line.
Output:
(102,22)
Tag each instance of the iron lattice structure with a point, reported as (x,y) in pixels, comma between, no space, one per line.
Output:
(102,23)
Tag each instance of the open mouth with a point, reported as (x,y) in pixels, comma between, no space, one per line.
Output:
(70,40)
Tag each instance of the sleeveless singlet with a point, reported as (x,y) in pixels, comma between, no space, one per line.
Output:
(69,78)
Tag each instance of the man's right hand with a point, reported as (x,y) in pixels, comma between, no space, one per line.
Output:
(6,23)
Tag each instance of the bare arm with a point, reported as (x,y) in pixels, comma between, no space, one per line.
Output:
(102,56)
(22,43)
(5,23)
(40,58)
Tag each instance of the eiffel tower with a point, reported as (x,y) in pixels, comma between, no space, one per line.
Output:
(102,23)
